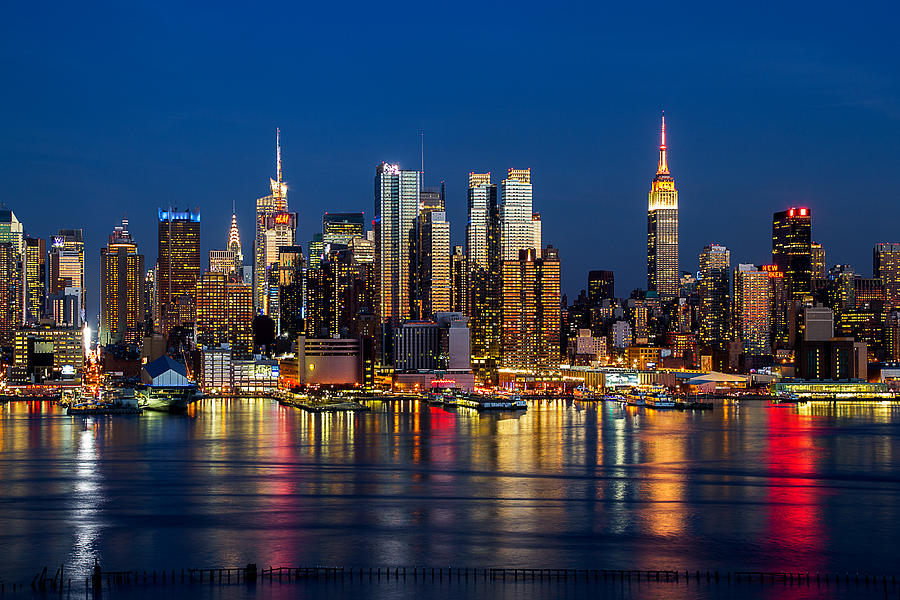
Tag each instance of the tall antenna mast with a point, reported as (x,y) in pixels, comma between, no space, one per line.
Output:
(278,152)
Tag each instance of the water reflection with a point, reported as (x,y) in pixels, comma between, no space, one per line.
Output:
(566,483)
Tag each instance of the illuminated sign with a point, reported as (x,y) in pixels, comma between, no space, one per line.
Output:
(58,241)
(772,271)
(282,218)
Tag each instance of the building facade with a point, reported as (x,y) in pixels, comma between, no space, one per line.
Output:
(662,229)
(178,267)
(713,288)
(122,307)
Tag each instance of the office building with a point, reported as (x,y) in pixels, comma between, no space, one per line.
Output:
(753,309)
(485,277)
(178,267)
(531,310)
(275,227)
(662,229)
(12,231)
(516,215)
(239,315)
(459,274)
(224,262)
(11,296)
(482,195)
(713,288)
(439,344)
(234,244)
(817,261)
(342,228)
(435,283)
(601,286)
(35,278)
(791,251)
(48,353)
(211,321)
(396,211)
(886,267)
(122,308)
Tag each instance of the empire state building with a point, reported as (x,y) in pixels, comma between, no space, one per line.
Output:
(662,229)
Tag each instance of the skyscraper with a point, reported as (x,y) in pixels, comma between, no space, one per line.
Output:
(662,229)
(713,287)
(121,289)
(516,216)
(11,230)
(234,244)
(886,266)
(396,210)
(342,228)
(482,193)
(531,310)
(11,278)
(817,261)
(601,286)
(67,264)
(178,266)
(459,273)
(35,278)
(485,277)
(274,227)
(434,264)
(753,309)
(239,314)
(791,251)
(211,322)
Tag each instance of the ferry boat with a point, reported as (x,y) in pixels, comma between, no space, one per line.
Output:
(615,397)
(495,402)
(651,397)
(116,403)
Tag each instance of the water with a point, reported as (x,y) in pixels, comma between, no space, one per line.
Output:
(744,487)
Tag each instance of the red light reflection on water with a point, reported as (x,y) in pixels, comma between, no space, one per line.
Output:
(794,527)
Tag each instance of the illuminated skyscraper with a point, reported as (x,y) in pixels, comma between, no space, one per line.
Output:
(342,228)
(753,309)
(791,251)
(274,228)
(434,264)
(396,210)
(601,286)
(459,273)
(11,296)
(713,285)
(211,322)
(485,277)
(481,194)
(662,229)
(35,278)
(536,232)
(886,266)
(67,263)
(234,243)
(223,261)
(122,308)
(531,310)
(817,261)
(516,216)
(178,267)
(239,315)
(11,230)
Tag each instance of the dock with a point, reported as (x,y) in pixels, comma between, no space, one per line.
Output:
(314,405)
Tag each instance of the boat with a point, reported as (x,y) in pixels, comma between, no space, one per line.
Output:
(649,396)
(167,399)
(495,402)
(615,397)
(115,403)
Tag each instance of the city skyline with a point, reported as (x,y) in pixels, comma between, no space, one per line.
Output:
(809,122)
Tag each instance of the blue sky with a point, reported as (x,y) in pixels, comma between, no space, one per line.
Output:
(115,108)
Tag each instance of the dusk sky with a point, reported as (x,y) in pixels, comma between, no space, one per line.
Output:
(124,107)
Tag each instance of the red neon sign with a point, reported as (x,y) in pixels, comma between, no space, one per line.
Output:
(282,218)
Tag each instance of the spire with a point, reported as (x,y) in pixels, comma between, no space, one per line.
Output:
(278,152)
(663,168)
